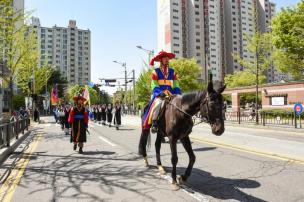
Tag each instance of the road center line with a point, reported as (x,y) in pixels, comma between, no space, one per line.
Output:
(107,141)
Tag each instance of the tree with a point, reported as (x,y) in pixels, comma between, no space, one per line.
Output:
(143,87)
(288,34)
(12,32)
(78,89)
(57,78)
(259,45)
(29,70)
(243,78)
(188,71)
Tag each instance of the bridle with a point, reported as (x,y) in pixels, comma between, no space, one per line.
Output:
(194,117)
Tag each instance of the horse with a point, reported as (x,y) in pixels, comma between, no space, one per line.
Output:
(177,122)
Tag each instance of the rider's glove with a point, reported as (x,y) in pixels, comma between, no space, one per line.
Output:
(162,95)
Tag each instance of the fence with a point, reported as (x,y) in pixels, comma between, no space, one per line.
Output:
(11,130)
(266,118)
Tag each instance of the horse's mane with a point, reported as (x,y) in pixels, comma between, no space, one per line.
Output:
(193,98)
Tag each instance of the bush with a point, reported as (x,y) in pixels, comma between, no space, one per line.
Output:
(271,113)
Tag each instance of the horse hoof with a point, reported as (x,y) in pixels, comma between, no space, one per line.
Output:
(175,187)
(162,170)
(181,181)
(146,162)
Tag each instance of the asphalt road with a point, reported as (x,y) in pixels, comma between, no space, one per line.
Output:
(45,168)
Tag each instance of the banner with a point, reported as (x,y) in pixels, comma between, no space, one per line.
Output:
(54,95)
(86,95)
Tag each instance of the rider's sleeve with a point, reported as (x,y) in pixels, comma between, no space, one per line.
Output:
(176,88)
(154,84)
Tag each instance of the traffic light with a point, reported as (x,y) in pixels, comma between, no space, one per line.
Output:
(110,80)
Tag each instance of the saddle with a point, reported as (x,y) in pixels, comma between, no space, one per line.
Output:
(167,100)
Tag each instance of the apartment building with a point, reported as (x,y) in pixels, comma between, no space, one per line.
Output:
(67,49)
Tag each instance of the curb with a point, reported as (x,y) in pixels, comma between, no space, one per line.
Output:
(7,151)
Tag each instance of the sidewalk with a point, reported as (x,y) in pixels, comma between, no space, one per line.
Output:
(268,142)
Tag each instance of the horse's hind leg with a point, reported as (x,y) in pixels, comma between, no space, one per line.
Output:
(157,148)
(188,147)
(143,144)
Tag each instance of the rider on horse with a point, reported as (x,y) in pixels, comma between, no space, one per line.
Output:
(164,83)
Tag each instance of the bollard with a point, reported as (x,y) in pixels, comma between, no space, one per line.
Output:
(295,119)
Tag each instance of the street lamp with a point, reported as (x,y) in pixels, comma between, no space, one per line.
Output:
(123,64)
(150,52)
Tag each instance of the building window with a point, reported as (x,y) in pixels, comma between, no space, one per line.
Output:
(175,31)
(176,52)
(175,17)
(175,4)
(175,24)
(177,45)
(198,47)
(197,40)
(175,11)
(196,6)
(176,38)
(196,13)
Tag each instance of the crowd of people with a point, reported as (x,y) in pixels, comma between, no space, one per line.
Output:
(74,120)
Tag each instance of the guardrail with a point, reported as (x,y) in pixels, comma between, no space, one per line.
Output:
(11,130)
(266,118)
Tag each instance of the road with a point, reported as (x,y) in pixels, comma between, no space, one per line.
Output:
(45,168)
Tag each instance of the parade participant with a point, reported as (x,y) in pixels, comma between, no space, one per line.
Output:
(117,115)
(164,83)
(79,123)
(104,114)
(61,115)
(109,114)
(66,119)
(95,111)
(99,114)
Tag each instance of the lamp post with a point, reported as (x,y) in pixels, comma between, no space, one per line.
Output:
(150,52)
(123,64)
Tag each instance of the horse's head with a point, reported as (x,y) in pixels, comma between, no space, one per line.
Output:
(212,109)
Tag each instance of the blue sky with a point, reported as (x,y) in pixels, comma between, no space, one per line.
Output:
(117,27)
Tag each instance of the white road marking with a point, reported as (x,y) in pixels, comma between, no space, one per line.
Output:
(107,141)
(198,196)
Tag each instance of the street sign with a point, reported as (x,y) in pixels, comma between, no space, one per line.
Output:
(298,108)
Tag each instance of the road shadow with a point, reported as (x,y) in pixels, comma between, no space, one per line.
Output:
(202,149)
(219,187)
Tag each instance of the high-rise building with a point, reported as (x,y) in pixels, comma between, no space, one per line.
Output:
(212,31)
(66,49)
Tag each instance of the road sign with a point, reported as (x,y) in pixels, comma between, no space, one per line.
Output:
(298,108)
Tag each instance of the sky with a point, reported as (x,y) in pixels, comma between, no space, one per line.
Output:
(117,27)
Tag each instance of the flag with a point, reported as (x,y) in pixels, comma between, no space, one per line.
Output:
(54,95)
(86,95)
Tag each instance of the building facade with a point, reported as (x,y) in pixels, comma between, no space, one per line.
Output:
(66,49)
(211,31)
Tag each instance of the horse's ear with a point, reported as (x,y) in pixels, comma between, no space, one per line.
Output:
(220,90)
(210,87)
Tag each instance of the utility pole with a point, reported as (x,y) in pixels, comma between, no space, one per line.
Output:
(133,89)
(126,87)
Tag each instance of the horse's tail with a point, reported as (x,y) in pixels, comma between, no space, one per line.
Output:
(145,137)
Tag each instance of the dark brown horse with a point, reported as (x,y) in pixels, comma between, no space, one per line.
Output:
(177,123)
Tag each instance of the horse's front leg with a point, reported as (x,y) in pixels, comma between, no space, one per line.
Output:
(188,147)
(157,148)
(174,160)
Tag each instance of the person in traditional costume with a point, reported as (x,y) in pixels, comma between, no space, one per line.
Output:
(117,115)
(104,114)
(79,120)
(66,119)
(109,114)
(164,83)
(99,114)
